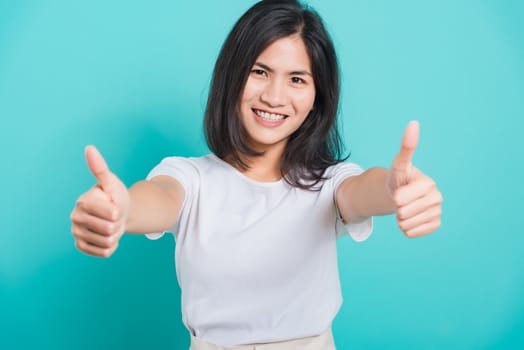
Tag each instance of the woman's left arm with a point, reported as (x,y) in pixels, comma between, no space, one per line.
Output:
(403,190)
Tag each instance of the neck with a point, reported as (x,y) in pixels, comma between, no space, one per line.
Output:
(264,168)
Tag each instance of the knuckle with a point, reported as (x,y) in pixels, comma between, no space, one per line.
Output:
(435,198)
(114,240)
(74,216)
(106,253)
(106,244)
(397,199)
(109,228)
(83,200)
(414,233)
(75,230)
(80,203)
(102,242)
(109,242)
(79,244)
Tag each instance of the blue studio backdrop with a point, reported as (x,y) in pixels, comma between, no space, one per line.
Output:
(131,77)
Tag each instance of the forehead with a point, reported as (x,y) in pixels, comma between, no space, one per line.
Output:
(287,53)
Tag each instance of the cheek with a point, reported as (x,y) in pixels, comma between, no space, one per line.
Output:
(244,98)
(307,101)
(250,91)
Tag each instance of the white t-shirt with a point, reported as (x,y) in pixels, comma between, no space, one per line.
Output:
(256,262)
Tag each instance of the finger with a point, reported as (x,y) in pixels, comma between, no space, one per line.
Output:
(413,190)
(83,233)
(97,206)
(98,167)
(423,229)
(95,224)
(428,215)
(93,250)
(407,148)
(419,205)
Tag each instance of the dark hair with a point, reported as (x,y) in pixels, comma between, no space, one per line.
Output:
(316,145)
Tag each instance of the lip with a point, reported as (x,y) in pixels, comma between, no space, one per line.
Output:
(268,123)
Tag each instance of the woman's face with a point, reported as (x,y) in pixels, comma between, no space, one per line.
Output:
(278,95)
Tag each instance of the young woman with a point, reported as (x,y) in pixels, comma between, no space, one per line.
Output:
(256,222)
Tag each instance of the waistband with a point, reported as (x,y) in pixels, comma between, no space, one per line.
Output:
(323,341)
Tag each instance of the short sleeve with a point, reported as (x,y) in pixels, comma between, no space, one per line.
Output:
(184,172)
(359,231)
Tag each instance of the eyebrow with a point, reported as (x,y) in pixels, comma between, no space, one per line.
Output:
(271,70)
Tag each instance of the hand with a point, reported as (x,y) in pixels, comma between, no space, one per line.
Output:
(100,215)
(416,197)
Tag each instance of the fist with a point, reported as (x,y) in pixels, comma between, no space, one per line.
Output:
(418,202)
(100,215)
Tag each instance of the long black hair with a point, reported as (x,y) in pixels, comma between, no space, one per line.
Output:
(316,144)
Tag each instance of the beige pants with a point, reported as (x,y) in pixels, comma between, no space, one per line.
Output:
(321,342)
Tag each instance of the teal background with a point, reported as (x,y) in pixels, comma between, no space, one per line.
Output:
(132,78)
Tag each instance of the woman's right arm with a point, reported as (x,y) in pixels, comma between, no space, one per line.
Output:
(102,214)
(155,205)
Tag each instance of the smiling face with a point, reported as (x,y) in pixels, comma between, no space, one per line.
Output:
(278,95)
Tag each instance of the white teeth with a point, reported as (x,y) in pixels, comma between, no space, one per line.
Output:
(269,116)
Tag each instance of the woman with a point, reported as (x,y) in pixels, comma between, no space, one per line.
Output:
(256,222)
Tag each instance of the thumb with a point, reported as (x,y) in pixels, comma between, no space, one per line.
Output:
(402,161)
(98,167)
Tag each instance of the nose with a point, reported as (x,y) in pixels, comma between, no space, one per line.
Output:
(274,93)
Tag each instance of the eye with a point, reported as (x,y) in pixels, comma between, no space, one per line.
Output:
(297,80)
(260,72)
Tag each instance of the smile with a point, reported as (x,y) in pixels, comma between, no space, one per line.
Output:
(273,117)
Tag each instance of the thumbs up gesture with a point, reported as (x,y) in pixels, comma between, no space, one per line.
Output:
(416,197)
(100,215)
